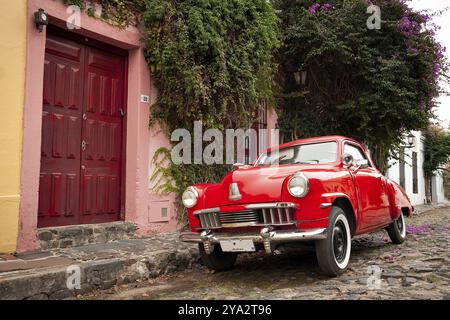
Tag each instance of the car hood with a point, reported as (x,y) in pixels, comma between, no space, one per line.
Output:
(255,184)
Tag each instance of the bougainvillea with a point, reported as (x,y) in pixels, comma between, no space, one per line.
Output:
(372,85)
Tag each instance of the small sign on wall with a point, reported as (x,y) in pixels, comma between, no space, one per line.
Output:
(145,98)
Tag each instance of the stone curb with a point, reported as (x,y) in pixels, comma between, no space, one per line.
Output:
(50,283)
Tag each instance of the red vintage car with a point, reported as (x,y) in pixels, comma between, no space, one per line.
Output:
(322,191)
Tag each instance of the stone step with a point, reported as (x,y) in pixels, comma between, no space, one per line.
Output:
(49,274)
(80,235)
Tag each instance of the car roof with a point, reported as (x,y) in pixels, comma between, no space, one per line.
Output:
(311,140)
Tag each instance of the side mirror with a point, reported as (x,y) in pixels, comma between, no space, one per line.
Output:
(362,164)
(347,159)
(237,166)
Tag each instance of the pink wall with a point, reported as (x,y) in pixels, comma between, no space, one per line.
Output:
(142,206)
(140,139)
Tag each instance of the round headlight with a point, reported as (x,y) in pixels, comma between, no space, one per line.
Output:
(190,197)
(298,185)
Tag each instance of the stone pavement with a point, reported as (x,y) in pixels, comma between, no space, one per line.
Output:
(163,267)
(417,269)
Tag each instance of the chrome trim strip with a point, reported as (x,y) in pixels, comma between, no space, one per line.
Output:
(265,235)
(270,205)
(325,205)
(210,210)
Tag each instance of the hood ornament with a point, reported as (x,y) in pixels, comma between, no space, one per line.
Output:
(234,192)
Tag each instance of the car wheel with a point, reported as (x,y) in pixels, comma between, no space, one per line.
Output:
(217,260)
(397,230)
(333,253)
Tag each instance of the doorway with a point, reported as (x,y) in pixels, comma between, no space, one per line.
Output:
(82,134)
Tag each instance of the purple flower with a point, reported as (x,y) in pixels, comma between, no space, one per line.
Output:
(405,24)
(413,51)
(418,229)
(313,8)
(326,6)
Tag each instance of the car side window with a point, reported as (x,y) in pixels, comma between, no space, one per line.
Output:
(355,151)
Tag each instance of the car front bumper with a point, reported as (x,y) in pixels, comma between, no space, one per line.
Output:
(266,236)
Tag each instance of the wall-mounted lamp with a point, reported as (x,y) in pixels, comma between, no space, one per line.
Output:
(411,141)
(40,19)
(300,77)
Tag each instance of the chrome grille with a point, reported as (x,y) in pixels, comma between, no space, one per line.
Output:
(256,215)
(235,219)
(209,220)
(277,215)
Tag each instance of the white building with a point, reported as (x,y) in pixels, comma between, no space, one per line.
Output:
(408,172)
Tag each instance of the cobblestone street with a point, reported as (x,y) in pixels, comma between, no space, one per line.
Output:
(417,269)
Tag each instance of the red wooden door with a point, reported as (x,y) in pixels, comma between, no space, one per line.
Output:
(81,135)
(102,137)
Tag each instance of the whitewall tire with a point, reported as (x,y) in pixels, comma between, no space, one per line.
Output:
(397,230)
(333,253)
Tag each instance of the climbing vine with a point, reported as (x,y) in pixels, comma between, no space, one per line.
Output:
(211,60)
(120,13)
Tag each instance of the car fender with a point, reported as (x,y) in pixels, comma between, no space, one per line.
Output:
(398,199)
(334,198)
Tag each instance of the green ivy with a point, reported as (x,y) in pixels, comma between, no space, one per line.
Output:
(120,13)
(211,60)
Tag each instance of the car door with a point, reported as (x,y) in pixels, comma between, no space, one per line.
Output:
(371,188)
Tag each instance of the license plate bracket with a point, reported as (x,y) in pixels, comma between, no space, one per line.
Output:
(237,245)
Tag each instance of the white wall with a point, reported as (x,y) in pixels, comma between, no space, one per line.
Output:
(394,170)
(437,181)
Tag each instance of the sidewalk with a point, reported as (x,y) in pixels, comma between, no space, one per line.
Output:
(43,274)
(432,206)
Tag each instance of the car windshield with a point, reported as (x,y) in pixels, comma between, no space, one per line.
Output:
(313,153)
